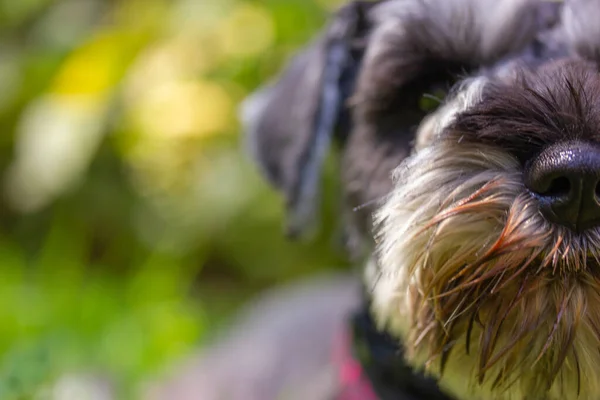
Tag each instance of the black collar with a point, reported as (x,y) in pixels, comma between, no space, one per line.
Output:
(382,360)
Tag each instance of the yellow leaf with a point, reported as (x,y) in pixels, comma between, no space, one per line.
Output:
(96,67)
(248,31)
(183,109)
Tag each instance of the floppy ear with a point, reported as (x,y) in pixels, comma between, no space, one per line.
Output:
(290,122)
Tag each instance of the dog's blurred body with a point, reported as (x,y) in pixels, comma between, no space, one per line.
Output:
(280,347)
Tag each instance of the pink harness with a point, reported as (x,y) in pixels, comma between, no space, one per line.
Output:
(354,384)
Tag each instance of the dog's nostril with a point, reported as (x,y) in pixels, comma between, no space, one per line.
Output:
(565,178)
(559,187)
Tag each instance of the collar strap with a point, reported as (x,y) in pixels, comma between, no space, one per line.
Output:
(354,383)
(374,366)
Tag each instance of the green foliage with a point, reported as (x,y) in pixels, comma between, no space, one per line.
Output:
(131,222)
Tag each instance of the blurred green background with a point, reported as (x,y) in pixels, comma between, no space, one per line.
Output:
(132,224)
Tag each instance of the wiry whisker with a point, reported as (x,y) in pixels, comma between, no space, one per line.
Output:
(367,204)
(527,330)
(563,307)
(470,207)
(457,313)
(526,265)
(568,336)
(578,369)
(488,362)
(424,333)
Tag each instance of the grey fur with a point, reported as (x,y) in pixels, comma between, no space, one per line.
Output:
(581,21)
(415,35)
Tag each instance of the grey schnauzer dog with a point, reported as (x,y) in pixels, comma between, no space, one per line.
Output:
(477,219)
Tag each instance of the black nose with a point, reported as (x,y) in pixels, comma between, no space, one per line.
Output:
(565,179)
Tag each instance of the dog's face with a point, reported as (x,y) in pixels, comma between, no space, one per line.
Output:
(489,244)
(486,253)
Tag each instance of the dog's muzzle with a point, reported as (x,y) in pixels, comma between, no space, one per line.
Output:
(488,246)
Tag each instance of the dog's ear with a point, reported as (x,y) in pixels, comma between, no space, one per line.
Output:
(290,123)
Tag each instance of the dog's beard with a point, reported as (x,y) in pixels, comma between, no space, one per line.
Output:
(484,292)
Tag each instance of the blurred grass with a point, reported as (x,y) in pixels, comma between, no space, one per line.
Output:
(131,222)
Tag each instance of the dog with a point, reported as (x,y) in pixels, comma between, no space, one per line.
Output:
(469,141)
